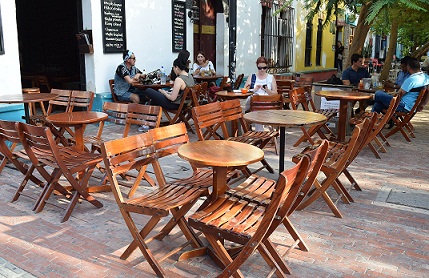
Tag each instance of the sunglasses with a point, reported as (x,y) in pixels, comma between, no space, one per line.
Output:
(133,58)
(262,68)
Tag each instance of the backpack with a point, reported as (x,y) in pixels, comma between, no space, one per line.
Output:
(334,80)
(252,84)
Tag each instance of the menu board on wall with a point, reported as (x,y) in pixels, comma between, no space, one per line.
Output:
(113,20)
(178,13)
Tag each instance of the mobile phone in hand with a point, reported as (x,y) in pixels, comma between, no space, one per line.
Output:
(264,86)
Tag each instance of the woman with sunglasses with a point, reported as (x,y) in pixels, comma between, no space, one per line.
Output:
(262,83)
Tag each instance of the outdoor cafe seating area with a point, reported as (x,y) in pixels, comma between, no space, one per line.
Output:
(201,193)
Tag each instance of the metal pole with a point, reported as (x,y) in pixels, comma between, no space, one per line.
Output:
(232,39)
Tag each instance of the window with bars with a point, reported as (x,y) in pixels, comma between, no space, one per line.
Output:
(277,37)
(308,43)
(319,42)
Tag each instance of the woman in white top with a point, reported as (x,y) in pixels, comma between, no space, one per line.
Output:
(203,65)
(261,83)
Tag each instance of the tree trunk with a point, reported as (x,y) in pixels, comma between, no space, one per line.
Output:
(361,31)
(421,51)
(391,51)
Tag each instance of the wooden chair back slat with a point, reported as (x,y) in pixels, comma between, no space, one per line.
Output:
(259,102)
(140,114)
(82,99)
(238,81)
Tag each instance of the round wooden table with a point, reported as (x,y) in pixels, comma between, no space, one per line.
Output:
(211,78)
(26,99)
(225,95)
(344,97)
(283,119)
(220,155)
(78,120)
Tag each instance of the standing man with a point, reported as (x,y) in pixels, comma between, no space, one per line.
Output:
(127,73)
(353,74)
(409,90)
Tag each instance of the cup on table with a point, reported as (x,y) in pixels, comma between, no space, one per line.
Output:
(244,90)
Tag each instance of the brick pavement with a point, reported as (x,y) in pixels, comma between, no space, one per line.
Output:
(374,239)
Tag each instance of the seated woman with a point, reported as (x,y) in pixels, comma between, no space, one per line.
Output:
(171,100)
(202,65)
(261,83)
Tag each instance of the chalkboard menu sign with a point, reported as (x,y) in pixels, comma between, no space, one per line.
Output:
(178,14)
(113,18)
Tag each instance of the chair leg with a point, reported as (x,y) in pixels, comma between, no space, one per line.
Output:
(143,233)
(139,239)
(295,235)
(321,191)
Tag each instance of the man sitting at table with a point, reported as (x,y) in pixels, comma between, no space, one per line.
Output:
(353,74)
(402,75)
(127,73)
(409,90)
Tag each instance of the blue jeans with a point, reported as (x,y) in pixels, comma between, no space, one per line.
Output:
(382,102)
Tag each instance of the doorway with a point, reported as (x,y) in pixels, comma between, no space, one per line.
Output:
(205,28)
(47,43)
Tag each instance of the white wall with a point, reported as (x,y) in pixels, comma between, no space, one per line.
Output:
(10,75)
(148,34)
(248,36)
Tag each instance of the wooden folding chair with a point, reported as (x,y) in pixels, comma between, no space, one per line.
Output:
(248,223)
(43,83)
(304,82)
(382,120)
(402,120)
(183,112)
(284,86)
(9,139)
(81,100)
(210,118)
(76,166)
(116,115)
(135,152)
(238,81)
(199,94)
(259,189)
(32,106)
(233,113)
(273,102)
(333,166)
(62,102)
(298,97)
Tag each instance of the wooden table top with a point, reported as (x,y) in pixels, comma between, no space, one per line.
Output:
(285,118)
(344,95)
(232,95)
(76,118)
(142,86)
(220,153)
(27,98)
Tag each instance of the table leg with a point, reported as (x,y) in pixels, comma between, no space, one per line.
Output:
(26,113)
(219,181)
(282,149)
(78,136)
(342,120)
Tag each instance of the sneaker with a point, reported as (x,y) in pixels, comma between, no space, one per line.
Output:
(143,128)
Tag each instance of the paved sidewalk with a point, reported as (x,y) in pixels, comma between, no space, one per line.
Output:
(383,234)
